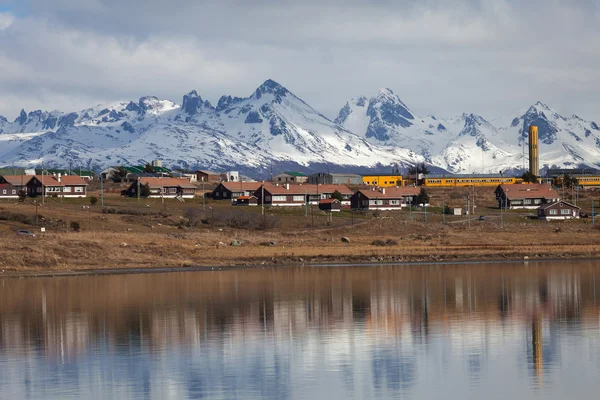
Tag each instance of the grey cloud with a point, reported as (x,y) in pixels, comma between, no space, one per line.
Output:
(483,56)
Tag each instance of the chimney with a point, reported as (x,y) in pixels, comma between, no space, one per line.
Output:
(287,186)
(58,177)
(534,154)
(382,190)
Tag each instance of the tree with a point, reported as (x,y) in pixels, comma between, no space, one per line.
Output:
(423,197)
(528,177)
(93,200)
(419,168)
(149,169)
(22,195)
(569,181)
(337,195)
(75,226)
(119,174)
(144,190)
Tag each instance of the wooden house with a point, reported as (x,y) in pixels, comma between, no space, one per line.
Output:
(57,186)
(8,191)
(559,210)
(299,195)
(164,188)
(233,190)
(385,199)
(290,177)
(528,196)
(207,176)
(330,205)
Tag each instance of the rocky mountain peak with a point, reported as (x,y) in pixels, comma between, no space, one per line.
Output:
(270,87)
(192,103)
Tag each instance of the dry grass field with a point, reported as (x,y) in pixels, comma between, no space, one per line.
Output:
(150,234)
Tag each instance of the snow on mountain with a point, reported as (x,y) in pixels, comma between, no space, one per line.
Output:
(272,125)
(470,143)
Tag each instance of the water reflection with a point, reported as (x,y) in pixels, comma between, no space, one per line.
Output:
(489,331)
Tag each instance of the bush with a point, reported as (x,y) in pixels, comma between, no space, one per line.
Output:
(195,216)
(383,243)
(22,195)
(75,226)
(93,200)
(22,218)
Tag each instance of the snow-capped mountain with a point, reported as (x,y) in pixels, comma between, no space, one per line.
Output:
(470,143)
(273,127)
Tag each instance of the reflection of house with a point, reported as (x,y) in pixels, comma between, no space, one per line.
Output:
(290,177)
(164,187)
(390,198)
(525,196)
(327,178)
(558,210)
(233,190)
(60,186)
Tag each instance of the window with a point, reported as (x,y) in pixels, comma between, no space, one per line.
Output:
(527,201)
(79,189)
(217,194)
(394,202)
(537,201)
(298,198)
(4,191)
(565,211)
(267,198)
(365,202)
(67,189)
(553,212)
(14,191)
(279,198)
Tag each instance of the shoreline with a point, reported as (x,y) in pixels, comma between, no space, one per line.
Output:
(12,273)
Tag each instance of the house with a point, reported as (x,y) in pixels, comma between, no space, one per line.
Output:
(134,173)
(233,190)
(299,195)
(391,198)
(207,176)
(19,182)
(246,201)
(164,188)
(528,196)
(184,175)
(383,180)
(330,205)
(8,191)
(85,174)
(558,210)
(335,179)
(290,177)
(56,186)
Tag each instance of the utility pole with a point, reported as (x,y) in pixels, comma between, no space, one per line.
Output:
(262,198)
(203,197)
(101,191)
(501,214)
(468,211)
(593,213)
(443,212)
(138,191)
(43,187)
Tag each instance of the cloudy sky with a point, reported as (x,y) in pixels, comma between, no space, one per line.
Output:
(491,57)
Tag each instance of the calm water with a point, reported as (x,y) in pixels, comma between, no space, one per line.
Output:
(495,331)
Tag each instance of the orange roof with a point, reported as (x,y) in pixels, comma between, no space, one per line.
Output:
(529,191)
(72,180)
(157,183)
(328,201)
(306,189)
(391,192)
(246,197)
(235,187)
(17,180)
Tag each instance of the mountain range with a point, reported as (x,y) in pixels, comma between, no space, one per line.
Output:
(274,129)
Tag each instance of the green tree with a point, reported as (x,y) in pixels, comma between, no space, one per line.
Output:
(529,177)
(337,195)
(119,174)
(93,200)
(569,181)
(144,190)
(22,195)
(423,197)
(420,168)
(149,169)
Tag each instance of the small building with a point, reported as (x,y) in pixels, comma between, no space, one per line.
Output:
(457,211)
(326,178)
(330,205)
(558,210)
(290,177)
(8,191)
(164,188)
(525,196)
(385,199)
(56,186)
(245,201)
(208,176)
(383,180)
(134,173)
(233,190)
(230,176)
(19,182)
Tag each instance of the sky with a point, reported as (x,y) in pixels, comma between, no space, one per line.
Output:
(490,57)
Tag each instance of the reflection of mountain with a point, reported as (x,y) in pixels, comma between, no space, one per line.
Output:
(265,333)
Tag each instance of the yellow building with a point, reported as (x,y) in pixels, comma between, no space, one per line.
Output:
(385,180)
